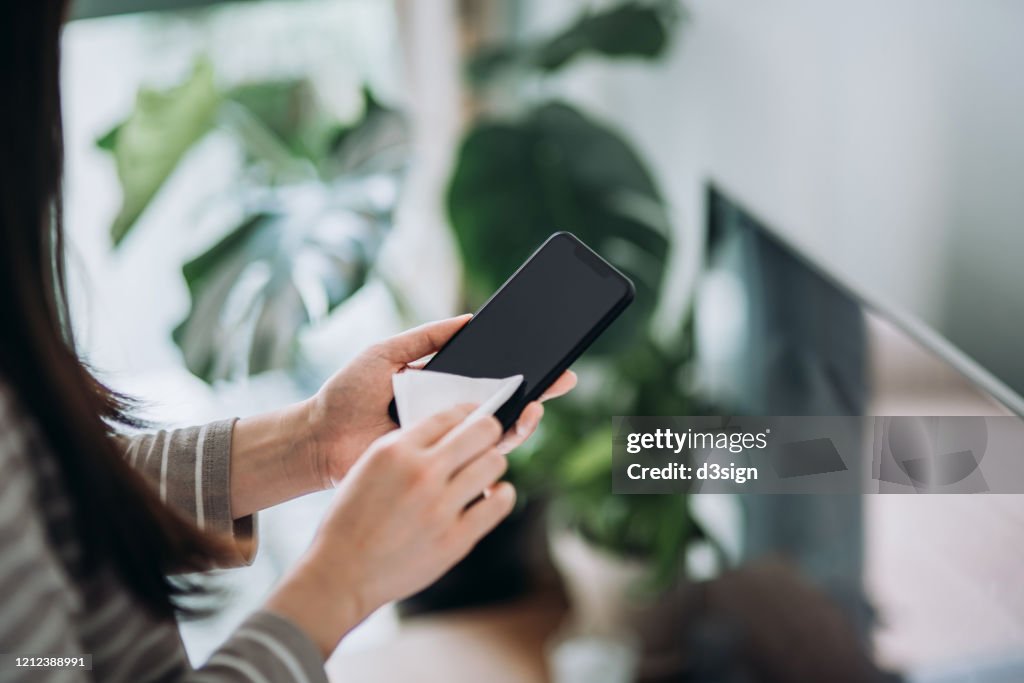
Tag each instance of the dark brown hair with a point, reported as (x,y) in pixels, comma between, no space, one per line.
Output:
(120,520)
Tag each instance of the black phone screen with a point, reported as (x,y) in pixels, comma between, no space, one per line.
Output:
(540,321)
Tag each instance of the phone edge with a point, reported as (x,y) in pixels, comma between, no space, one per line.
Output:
(575,353)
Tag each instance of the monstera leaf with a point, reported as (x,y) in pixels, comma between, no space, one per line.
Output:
(303,251)
(317,193)
(288,110)
(517,182)
(148,146)
(278,123)
(378,140)
(632,29)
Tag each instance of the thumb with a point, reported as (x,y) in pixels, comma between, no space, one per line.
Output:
(420,341)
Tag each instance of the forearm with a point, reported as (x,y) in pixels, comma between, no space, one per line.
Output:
(273,460)
(320,600)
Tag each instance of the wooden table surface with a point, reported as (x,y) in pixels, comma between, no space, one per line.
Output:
(497,644)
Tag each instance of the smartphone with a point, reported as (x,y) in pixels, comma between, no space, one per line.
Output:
(539,322)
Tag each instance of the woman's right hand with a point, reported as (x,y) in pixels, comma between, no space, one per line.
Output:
(398,521)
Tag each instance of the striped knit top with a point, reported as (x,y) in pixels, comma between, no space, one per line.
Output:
(49,607)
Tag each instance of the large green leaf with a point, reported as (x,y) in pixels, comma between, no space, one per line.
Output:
(378,140)
(517,182)
(304,249)
(148,146)
(632,29)
(288,110)
(282,122)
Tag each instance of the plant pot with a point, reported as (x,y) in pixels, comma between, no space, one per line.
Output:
(609,597)
(501,567)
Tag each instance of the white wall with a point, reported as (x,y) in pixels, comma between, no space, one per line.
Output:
(881,136)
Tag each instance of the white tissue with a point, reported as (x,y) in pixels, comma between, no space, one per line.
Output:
(422,393)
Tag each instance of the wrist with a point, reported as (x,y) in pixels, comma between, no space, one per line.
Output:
(309,459)
(319,602)
(273,459)
(316,444)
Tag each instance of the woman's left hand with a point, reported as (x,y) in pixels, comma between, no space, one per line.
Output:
(351,409)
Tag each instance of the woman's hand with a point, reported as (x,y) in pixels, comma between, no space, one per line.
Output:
(398,521)
(351,410)
(310,446)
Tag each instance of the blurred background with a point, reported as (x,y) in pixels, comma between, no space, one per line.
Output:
(294,179)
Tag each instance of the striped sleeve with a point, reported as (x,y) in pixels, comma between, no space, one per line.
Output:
(266,648)
(191,469)
(44,609)
(40,601)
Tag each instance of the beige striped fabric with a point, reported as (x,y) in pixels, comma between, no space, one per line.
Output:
(50,608)
(190,468)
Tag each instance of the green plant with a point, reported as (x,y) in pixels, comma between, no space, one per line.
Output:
(537,166)
(315,196)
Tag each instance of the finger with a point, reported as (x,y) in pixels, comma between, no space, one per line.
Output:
(421,341)
(466,442)
(525,426)
(429,430)
(563,385)
(482,517)
(472,480)
(419,364)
